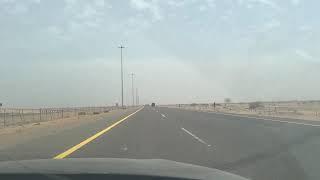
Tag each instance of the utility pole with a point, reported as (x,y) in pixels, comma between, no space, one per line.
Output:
(121,47)
(137,97)
(132,75)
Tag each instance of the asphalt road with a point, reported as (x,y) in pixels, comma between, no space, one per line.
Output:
(254,148)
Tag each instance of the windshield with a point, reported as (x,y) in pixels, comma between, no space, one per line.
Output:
(225,84)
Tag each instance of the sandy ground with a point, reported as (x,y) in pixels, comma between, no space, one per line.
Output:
(307,110)
(11,136)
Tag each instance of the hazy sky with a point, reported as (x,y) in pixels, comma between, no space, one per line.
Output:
(64,52)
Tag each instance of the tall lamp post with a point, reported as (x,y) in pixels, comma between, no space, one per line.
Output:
(121,47)
(132,76)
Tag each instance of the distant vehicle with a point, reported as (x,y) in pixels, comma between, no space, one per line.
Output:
(153,104)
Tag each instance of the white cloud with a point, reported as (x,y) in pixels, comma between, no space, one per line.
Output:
(7,1)
(269,3)
(36,1)
(141,4)
(211,3)
(272,24)
(268,26)
(99,3)
(70,6)
(57,32)
(70,2)
(249,6)
(229,12)
(151,6)
(240,2)
(202,5)
(18,8)
(305,28)
(88,13)
(202,8)
(134,25)
(295,2)
(304,54)
(227,16)
(176,3)
(54,30)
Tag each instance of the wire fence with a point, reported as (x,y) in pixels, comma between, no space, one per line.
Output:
(14,116)
(305,110)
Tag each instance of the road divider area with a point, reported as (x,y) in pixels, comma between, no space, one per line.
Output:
(95,136)
(267,119)
(311,123)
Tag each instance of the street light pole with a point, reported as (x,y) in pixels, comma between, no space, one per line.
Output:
(121,47)
(137,97)
(132,75)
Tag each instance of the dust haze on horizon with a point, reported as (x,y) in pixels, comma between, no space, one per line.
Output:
(64,53)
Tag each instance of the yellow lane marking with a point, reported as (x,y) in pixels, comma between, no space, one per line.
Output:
(78,146)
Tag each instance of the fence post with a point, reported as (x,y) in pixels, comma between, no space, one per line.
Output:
(51,113)
(22,116)
(12,116)
(32,115)
(40,118)
(4,118)
(19,114)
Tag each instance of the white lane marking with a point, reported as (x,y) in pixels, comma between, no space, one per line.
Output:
(196,137)
(124,148)
(274,120)
(164,116)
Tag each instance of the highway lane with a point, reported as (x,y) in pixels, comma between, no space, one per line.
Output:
(50,141)
(146,135)
(253,148)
